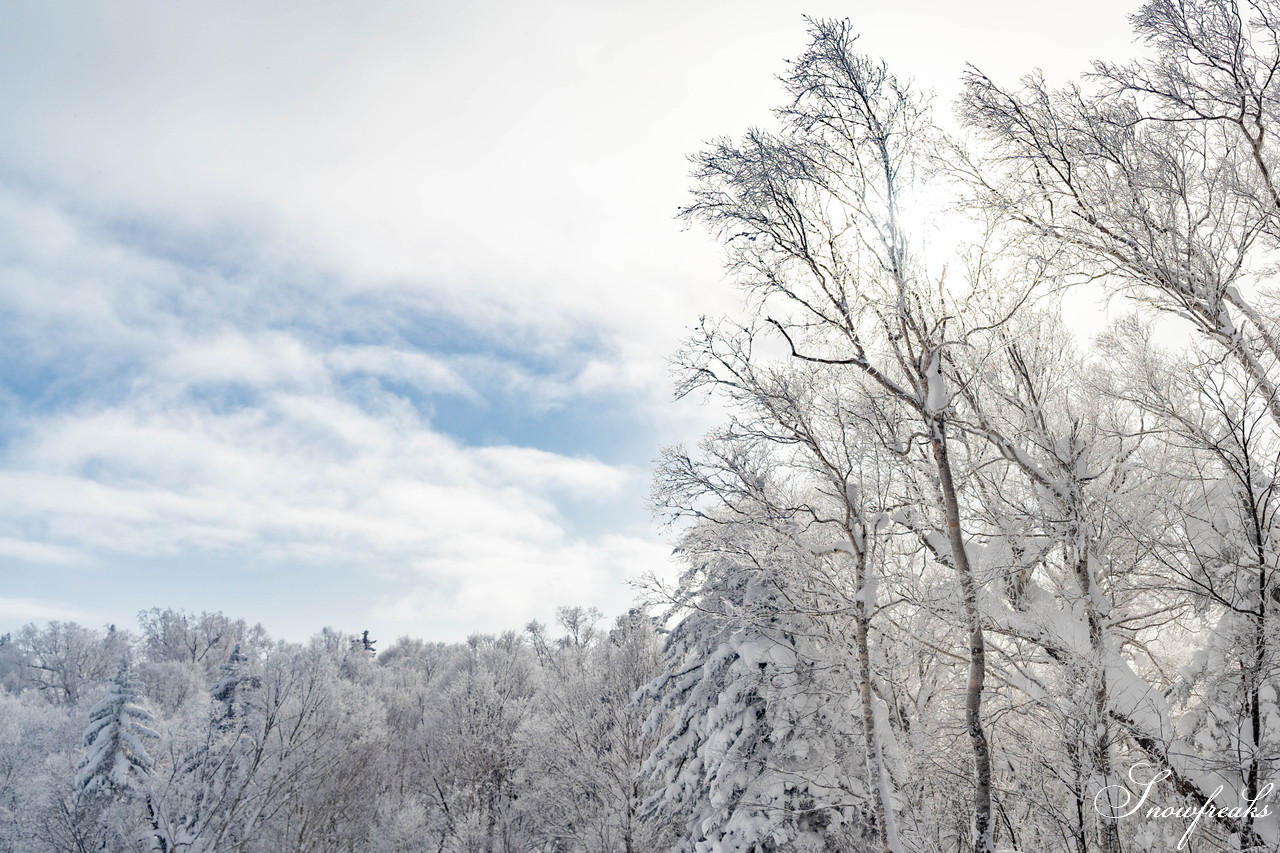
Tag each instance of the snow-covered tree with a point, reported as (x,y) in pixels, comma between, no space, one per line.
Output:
(824,224)
(113,777)
(762,745)
(1159,181)
(588,739)
(64,659)
(201,640)
(229,692)
(116,762)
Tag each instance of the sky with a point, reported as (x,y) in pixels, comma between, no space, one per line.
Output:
(358,314)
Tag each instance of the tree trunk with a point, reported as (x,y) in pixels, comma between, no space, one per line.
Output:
(877,775)
(1108,830)
(982,826)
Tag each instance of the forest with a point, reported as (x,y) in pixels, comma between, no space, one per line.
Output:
(953,576)
(198,732)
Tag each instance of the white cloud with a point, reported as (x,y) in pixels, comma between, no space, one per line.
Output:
(264,359)
(489,579)
(18,611)
(411,368)
(40,552)
(322,481)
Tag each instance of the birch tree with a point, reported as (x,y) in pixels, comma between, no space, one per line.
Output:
(1157,180)
(815,218)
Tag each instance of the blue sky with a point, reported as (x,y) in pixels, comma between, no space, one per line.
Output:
(358,314)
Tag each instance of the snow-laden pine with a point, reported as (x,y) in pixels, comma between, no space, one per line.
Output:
(116,762)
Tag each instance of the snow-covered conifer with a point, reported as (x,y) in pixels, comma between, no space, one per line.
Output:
(115,760)
(763,750)
(228,692)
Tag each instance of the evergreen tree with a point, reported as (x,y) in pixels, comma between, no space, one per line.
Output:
(228,691)
(115,759)
(759,751)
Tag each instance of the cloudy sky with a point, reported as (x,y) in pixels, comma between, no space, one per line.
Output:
(356,314)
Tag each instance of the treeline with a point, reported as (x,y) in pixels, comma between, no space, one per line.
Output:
(201,733)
